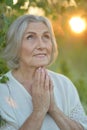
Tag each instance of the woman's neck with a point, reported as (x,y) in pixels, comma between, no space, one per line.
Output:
(24,75)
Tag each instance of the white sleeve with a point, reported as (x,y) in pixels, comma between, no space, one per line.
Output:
(77,112)
(7,127)
(78,115)
(6,121)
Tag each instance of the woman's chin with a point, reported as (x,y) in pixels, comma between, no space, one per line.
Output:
(42,65)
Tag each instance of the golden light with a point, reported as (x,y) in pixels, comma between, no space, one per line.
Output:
(77,24)
(15,1)
(36,11)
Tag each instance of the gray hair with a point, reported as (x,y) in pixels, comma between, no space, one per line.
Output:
(15,35)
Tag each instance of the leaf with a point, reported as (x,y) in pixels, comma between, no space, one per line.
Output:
(4,79)
(2,121)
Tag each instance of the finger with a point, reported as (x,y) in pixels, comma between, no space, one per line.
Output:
(47,81)
(42,78)
(51,84)
(50,80)
(37,76)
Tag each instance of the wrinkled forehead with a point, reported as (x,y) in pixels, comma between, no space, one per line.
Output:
(37,27)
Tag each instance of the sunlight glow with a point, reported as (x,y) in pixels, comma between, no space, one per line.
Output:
(36,11)
(11,102)
(77,24)
(15,1)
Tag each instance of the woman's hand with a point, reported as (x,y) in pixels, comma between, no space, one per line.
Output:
(41,91)
(53,107)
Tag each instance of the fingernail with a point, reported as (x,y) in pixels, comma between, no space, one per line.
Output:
(39,69)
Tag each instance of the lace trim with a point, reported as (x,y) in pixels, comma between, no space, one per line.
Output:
(78,114)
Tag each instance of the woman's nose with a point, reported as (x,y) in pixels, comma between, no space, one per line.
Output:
(40,43)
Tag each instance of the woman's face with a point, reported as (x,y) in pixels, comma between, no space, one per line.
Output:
(36,49)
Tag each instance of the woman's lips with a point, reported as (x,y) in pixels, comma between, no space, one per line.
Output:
(40,55)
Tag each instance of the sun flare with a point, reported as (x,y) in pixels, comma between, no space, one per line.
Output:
(77,24)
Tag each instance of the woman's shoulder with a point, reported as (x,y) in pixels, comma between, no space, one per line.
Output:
(58,76)
(64,84)
(62,80)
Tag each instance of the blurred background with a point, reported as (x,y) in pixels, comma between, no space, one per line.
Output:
(69,20)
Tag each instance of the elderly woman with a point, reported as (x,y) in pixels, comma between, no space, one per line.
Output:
(35,98)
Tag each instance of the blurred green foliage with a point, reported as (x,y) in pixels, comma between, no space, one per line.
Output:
(72,62)
(72,58)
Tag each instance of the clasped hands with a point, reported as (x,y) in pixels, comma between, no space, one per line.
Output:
(42,92)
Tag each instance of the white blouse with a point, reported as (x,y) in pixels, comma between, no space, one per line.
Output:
(16,103)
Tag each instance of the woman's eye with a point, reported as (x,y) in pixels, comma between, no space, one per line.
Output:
(30,37)
(46,36)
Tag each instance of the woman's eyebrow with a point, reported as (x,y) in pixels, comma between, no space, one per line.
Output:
(31,32)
